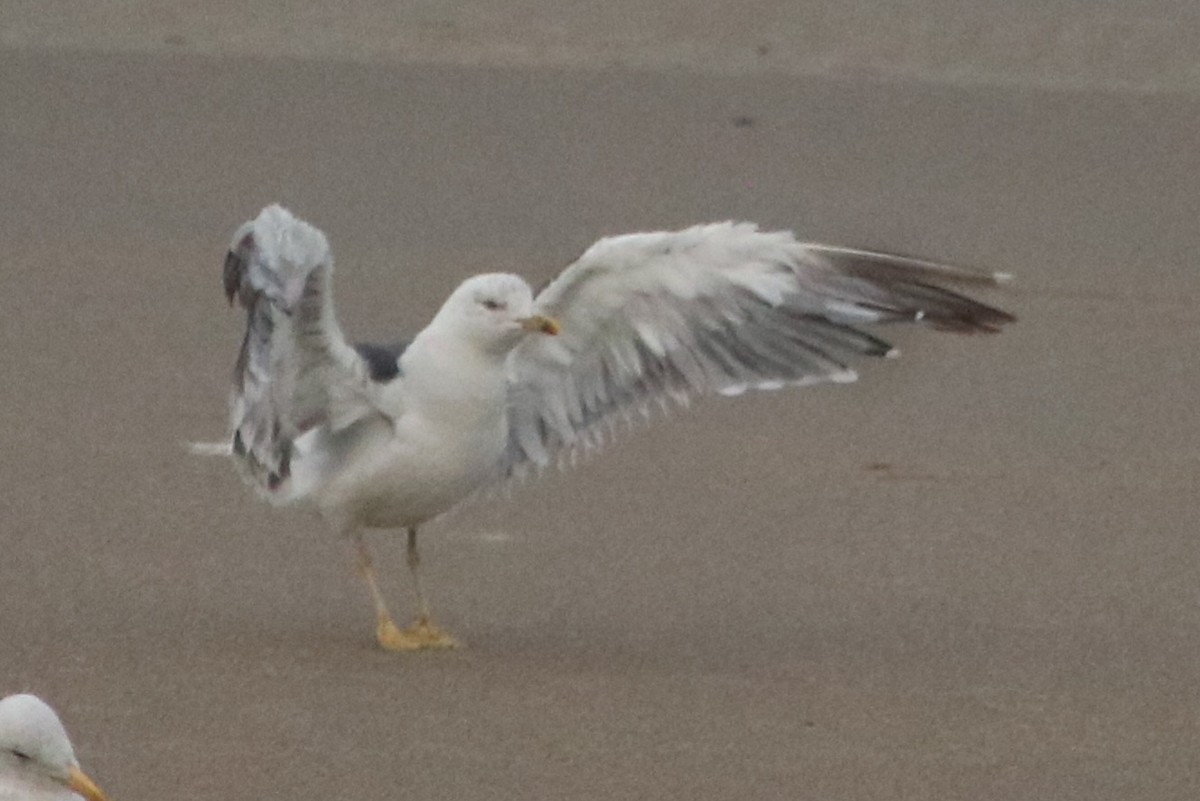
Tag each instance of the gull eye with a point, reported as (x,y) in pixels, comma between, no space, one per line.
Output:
(21,755)
(491,305)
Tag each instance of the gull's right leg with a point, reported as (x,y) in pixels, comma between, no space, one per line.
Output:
(423,629)
(387,633)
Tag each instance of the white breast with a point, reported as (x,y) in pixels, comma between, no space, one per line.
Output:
(445,442)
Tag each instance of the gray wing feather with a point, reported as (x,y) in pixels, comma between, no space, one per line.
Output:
(648,319)
(294,371)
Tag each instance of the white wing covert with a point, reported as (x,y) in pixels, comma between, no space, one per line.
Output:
(657,317)
(295,371)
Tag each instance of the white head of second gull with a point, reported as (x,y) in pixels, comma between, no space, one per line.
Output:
(37,762)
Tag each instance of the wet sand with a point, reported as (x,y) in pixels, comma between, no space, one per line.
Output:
(974,574)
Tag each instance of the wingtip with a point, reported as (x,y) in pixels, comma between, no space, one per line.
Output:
(235,264)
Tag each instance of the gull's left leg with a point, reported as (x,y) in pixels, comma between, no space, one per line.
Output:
(423,629)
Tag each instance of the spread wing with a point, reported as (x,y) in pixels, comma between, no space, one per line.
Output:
(295,371)
(650,318)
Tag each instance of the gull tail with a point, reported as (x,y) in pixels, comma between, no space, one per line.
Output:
(210,448)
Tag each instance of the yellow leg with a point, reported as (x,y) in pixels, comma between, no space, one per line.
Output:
(386,632)
(423,629)
(421,634)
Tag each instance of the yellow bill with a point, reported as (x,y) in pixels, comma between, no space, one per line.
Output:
(540,323)
(79,782)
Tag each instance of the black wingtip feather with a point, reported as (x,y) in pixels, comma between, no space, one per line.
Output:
(235,270)
(910,290)
(232,275)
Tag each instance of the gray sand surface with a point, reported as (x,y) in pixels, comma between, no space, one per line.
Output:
(975,574)
(1144,45)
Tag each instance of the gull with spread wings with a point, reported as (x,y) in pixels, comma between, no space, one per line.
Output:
(503,381)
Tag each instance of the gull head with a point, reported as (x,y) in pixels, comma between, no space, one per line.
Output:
(494,312)
(35,750)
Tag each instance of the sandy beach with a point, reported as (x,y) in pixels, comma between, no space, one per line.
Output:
(974,574)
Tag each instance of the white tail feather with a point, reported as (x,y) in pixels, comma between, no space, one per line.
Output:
(210,448)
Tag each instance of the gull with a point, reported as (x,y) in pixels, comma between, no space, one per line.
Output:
(37,762)
(503,382)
